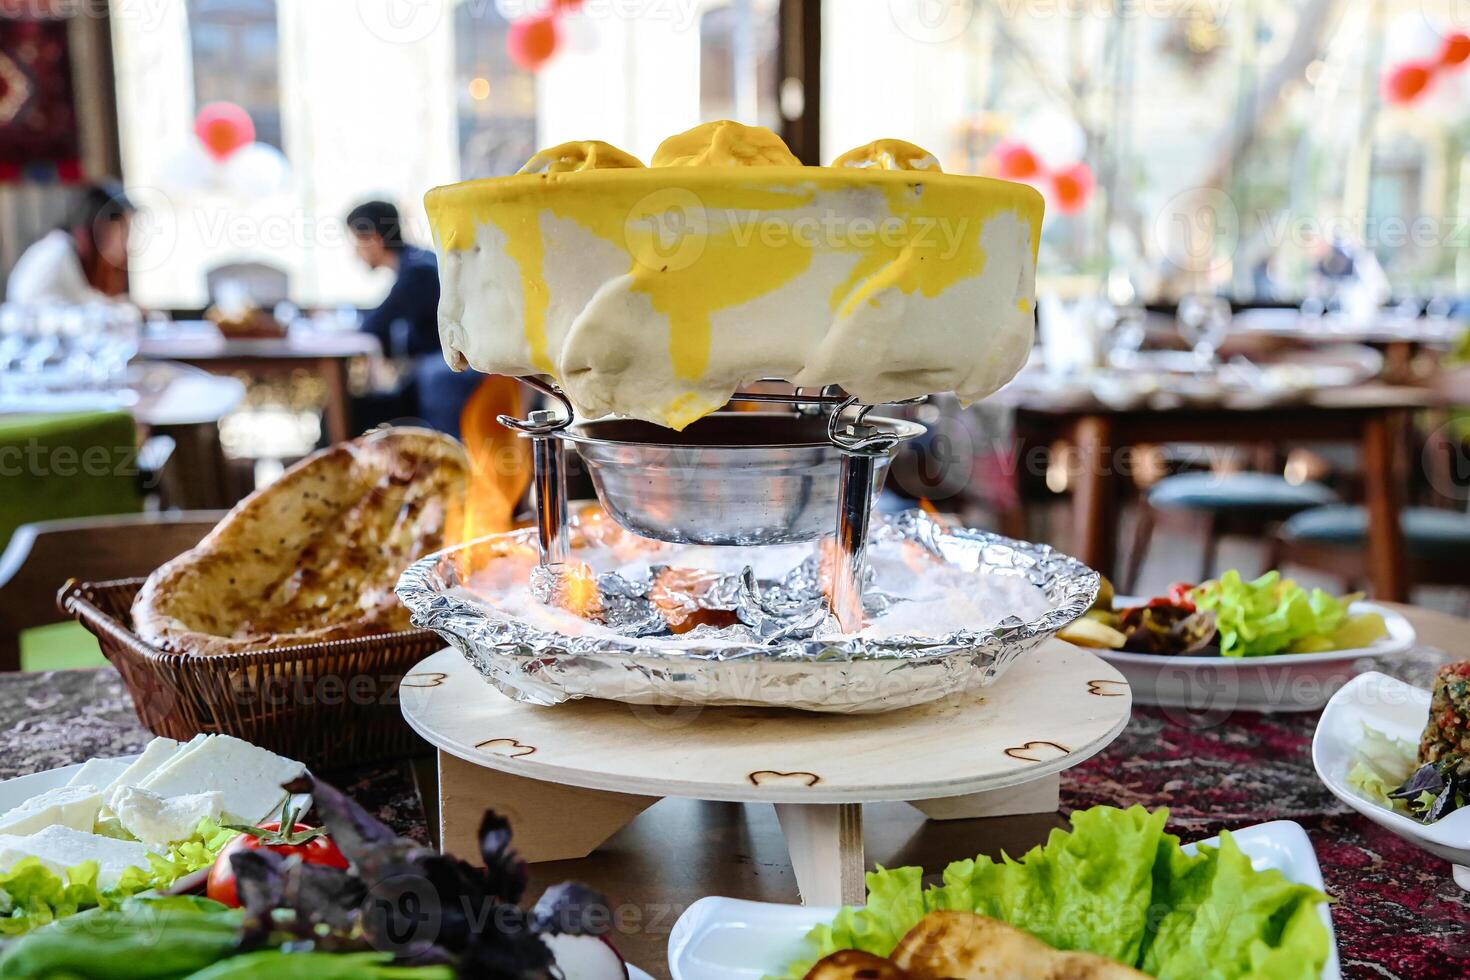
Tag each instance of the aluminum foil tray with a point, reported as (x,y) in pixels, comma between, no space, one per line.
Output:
(475,595)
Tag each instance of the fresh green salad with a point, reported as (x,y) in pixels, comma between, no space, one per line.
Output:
(1117,886)
(1272,614)
(1387,771)
(32,895)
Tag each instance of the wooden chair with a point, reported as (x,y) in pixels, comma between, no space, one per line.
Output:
(42,556)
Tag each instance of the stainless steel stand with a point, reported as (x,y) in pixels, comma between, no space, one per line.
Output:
(862,445)
(548,470)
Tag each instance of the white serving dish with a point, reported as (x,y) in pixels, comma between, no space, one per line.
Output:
(1399,710)
(1284,682)
(731,939)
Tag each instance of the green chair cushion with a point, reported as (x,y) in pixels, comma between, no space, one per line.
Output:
(60,646)
(1429,532)
(1265,493)
(78,464)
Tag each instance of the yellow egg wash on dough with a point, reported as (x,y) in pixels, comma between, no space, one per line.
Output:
(698,244)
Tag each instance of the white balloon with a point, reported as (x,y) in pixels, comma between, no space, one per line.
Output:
(191,168)
(256,170)
(1054,137)
(1411,37)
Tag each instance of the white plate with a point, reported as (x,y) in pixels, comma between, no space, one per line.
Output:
(1399,710)
(731,939)
(1284,682)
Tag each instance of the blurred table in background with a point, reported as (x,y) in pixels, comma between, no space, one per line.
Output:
(1375,417)
(1397,335)
(325,354)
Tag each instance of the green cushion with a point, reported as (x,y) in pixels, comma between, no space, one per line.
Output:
(1260,492)
(79,464)
(1429,532)
(60,646)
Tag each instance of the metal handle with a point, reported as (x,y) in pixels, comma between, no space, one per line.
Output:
(548,469)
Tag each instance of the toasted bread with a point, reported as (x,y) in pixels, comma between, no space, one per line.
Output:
(849,964)
(314,556)
(966,946)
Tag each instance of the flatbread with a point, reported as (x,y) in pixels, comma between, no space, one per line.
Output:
(314,556)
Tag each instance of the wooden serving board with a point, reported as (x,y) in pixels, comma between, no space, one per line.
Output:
(995,751)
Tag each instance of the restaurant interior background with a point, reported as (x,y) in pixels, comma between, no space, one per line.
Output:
(1275,193)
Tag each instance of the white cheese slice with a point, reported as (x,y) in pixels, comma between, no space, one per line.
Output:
(99,773)
(155,819)
(60,848)
(248,776)
(180,754)
(68,806)
(155,754)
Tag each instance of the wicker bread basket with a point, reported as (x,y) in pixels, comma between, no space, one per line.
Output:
(327,704)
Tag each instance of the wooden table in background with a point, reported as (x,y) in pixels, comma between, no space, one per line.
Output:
(325,354)
(1374,417)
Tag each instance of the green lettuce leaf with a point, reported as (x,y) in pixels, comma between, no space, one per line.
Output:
(1381,763)
(1116,885)
(1088,889)
(32,895)
(1223,919)
(1275,615)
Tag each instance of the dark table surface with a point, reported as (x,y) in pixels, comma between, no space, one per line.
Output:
(1396,910)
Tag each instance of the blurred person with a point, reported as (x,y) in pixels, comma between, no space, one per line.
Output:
(406,323)
(85,260)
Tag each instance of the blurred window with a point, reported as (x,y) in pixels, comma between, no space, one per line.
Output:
(234,44)
(737,62)
(494,99)
(1231,143)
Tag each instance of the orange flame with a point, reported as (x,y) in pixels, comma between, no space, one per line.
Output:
(581,597)
(500,461)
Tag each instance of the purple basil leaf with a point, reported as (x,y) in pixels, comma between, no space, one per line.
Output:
(574,909)
(359,835)
(506,950)
(506,874)
(259,886)
(1426,779)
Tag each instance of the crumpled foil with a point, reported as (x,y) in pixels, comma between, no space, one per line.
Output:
(663,599)
(782,650)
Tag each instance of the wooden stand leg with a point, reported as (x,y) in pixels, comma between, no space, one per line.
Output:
(1039,796)
(825,841)
(550,822)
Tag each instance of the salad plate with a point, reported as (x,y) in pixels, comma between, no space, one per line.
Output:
(733,939)
(1397,710)
(1280,682)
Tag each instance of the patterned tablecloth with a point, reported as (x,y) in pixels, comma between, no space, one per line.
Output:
(1397,913)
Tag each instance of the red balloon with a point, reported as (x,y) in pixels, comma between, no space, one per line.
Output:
(1407,82)
(1456,50)
(532,41)
(1073,187)
(565,4)
(223,128)
(1015,162)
